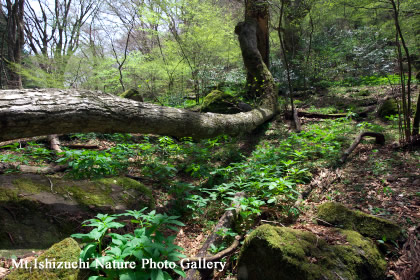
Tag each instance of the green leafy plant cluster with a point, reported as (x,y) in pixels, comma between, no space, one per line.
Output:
(104,247)
(272,174)
(32,152)
(95,164)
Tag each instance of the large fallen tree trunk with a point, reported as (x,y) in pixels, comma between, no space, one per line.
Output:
(28,113)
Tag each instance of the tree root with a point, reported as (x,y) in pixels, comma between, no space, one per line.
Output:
(226,221)
(380,139)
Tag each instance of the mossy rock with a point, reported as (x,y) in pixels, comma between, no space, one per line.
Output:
(367,225)
(38,214)
(223,103)
(132,94)
(363,92)
(388,108)
(67,251)
(120,192)
(283,253)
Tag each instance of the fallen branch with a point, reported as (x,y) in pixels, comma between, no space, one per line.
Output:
(81,146)
(305,114)
(226,221)
(380,139)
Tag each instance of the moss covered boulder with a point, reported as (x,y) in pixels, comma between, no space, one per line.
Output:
(132,94)
(37,211)
(367,225)
(273,253)
(388,108)
(66,251)
(223,103)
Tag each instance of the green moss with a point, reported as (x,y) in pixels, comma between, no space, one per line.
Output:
(65,251)
(132,94)
(220,102)
(388,108)
(129,184)
(373,257)
(90,194)
(368,225)
(29,186)
(285,253)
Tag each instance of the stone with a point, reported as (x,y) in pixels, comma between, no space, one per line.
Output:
(367,225)
(388,108)
(223,103)
(273,253)
(67,250)
(132,94)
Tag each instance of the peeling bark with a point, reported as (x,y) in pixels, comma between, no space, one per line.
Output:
(28,113)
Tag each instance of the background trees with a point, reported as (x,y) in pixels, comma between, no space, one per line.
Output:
(175,51)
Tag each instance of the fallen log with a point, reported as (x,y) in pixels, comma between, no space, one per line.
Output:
(380,139)
(50,169)
(226,221)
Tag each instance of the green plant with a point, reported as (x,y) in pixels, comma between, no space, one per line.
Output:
(116,256)
(94,164)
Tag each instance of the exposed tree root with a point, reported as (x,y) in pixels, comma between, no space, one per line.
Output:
(54,143)
(226,221)
(380,139)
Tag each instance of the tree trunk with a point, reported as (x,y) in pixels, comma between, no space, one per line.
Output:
(27,113)
(15,41)
(257,10)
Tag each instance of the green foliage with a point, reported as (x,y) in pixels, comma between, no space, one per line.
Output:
(147,242)
(32,152)
(95,164)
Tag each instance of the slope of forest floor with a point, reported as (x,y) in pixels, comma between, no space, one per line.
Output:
(196,180)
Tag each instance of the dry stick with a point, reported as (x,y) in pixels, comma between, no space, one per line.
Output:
(380,139)
(226,221)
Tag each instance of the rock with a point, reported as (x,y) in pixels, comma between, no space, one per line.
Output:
(37,215)
(223,103)
(367,225)
(132,94)
(363,92)
(416,183)
(67,251)
(388,108)
(283,253)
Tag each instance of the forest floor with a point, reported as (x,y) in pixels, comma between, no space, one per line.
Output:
(381,180)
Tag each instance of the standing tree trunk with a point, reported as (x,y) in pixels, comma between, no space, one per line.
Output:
(257,10)
(15,40)
(27,113)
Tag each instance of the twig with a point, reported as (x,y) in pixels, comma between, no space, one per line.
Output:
(51,184)
(274,222)
(325,222)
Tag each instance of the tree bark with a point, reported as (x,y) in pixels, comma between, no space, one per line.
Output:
(28,113)
(257,11)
